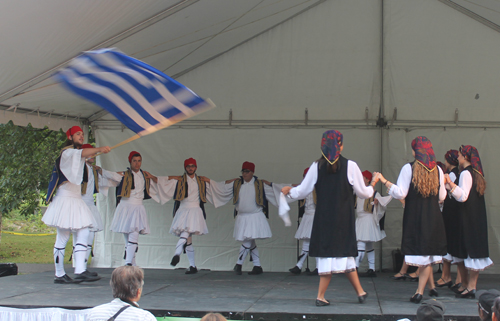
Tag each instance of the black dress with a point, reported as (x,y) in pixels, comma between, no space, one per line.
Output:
(423,227)
(452,217)
(334,226)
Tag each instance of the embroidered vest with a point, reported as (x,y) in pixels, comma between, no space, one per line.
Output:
(260,196)
(181,192)
(96,180)
(57,178)
(127,185)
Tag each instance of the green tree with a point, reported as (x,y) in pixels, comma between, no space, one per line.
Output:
(26,161)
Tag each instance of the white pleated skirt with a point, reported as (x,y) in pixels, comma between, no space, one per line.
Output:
(99,226)
(68,211)
(423,260)
(478,264)
(367,229)
(130,217)
(332,265)
(305,227)
(251,227)
(189,219)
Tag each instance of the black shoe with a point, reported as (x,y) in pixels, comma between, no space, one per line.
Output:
(416,298)
(455,287)
(128,264)
(192,270)
(448,284)
(397,278)
(368,274)
(295,270)
(175,260)
(433,292)
(237,269)
(320,303)
(93,273)
(471,294)
(86,277)
(362,298)
(314,272)
(256,270)
(412,279)
(65,279)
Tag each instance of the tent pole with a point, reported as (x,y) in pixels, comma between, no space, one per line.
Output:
(382,108)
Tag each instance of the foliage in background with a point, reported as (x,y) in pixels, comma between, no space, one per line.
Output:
(26,160)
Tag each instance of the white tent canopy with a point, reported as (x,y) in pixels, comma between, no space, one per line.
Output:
(280,72)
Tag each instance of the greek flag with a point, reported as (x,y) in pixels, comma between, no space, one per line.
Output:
(141,97)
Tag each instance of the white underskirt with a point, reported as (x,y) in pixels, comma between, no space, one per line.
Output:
(189,219)
(130,217)
(251,227)
(423,260)
(478,264)
(305,227)
(332,265)
(99,226)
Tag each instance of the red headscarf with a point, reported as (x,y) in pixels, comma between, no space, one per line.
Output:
(73,130)
(424,154)
(472,155)
(190,161)
(368,175)
(132,154)
(451,157)
(249,166)
(330,145)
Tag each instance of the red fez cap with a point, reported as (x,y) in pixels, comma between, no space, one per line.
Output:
(132,154)
(368,175)
(249,166)
(190,161)
(73,130)
(87,146)
(305,171)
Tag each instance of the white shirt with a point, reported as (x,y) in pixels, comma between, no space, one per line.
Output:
(105,311)
(354,176)
(165,189)
(71,166)
(246,200)
(400,190)
(461,192)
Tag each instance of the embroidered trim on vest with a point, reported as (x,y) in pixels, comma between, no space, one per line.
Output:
(259,190)
(128,184)
(181,189)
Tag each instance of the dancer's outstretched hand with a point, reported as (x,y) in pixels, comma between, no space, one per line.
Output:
(285,190)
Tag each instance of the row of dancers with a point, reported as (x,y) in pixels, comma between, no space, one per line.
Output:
(329,191)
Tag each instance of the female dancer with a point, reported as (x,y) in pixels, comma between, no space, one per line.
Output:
(470,191)
(421,184)
(333,237)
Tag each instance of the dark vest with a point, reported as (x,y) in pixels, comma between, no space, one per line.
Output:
(57,178)
(423,227)
(334,227)
(475,223)
(119,188)
(201,189)
(260,195)
(452,218)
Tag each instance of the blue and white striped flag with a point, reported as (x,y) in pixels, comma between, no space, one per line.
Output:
(141,97)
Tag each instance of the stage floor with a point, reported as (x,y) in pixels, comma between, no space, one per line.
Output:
(269,296)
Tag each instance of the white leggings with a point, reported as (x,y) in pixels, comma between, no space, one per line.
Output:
(186,242)
(80,251)
(131,247)
(249,246)
(366,247)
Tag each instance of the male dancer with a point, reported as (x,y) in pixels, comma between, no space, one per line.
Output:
(99,180)
(251,211)
(130,216)
(369,225)
(190,196)
(67,211)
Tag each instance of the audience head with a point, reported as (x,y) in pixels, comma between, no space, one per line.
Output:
(430,310)
(213,317)
(485,303)
(126,282)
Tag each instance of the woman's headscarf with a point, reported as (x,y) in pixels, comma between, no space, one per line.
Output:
(330,145)
(424,154)
(451,157)
(472,155)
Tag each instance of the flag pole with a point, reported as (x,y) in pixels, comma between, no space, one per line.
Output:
(131,139)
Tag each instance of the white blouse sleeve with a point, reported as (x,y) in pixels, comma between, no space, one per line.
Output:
(355,178)
(400,190)
(442,188)
(162,191)
(108,179)
(461,192)
(72,165)
(307,186)
(219,193)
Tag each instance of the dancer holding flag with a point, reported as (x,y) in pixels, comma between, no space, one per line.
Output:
(333,237)
(67,211)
